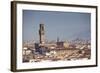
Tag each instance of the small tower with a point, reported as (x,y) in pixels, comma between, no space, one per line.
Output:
(57,39)
(41,34)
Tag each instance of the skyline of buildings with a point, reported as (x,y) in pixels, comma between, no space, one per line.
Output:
(61,36)
(54,51)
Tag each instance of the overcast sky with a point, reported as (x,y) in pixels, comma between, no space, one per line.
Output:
(65,25)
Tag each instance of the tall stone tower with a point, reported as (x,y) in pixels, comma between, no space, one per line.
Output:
(42,34)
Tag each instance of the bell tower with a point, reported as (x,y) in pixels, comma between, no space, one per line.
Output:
(42,34)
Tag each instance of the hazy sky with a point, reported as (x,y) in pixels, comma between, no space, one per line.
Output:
(65,25)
